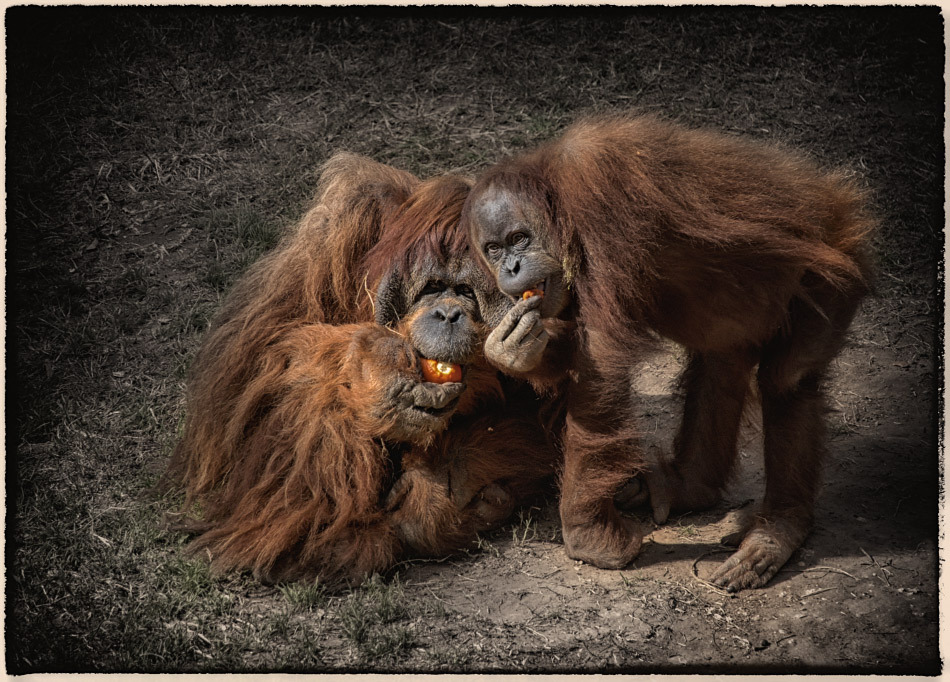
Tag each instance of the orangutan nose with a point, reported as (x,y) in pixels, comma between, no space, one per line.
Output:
(447,314)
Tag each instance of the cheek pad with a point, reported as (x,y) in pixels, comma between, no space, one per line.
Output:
(493,305)
(389,303)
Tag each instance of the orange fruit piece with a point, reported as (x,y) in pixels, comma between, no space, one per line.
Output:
(532,292)
(439,372)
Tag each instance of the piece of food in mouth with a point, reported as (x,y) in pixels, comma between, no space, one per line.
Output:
(439,372)
(532,292)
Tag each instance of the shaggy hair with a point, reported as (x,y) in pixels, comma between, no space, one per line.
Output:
(287,454)
(742,252)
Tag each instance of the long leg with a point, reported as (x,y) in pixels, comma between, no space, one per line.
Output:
(716,387)
(790,377)
(596,465)
(601,451)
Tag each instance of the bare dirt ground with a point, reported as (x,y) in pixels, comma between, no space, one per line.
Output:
(862,591)
(152,154)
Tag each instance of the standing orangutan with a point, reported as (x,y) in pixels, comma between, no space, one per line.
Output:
(314,445)
(628,227)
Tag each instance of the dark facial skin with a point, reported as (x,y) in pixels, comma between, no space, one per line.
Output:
(444,309)
(506,233)
(442,312)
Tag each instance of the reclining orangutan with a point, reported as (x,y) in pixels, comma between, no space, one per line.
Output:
(313,447)
(627,228)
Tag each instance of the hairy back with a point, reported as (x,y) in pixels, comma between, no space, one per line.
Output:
(640,197)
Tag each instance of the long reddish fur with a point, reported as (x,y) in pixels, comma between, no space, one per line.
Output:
(632,181)
(283,456)
(644,215)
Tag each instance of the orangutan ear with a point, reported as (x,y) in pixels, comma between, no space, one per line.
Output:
(390,303)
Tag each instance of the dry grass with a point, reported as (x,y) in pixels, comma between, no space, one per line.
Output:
(152,154)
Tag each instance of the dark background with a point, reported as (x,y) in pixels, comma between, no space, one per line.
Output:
(153,153)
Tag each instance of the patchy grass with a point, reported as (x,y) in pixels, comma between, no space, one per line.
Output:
(304,596)
(369,616)
(525,529)
(154,153)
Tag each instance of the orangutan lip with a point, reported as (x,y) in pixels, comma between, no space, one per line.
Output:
(438,411)
(540,286)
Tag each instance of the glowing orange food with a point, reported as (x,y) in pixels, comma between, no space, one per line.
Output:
(441,372)
(532,292)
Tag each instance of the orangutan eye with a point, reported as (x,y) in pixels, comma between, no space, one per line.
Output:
(492,249)
(433,286)
(466,291)
(518,238)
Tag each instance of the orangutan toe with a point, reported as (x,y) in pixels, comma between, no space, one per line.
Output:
(760,556)
(633,494)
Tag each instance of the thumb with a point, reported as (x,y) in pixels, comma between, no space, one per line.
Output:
(660,494)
